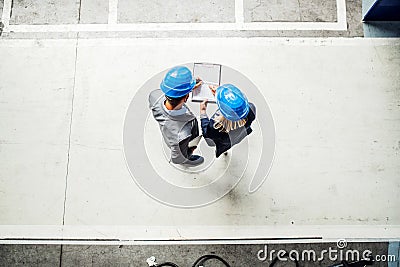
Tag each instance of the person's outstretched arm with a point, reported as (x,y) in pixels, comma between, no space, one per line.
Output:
(204,120)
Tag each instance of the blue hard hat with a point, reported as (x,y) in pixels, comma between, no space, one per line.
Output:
(178,82)
(232,102)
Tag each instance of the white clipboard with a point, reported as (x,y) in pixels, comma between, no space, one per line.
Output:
(210,74)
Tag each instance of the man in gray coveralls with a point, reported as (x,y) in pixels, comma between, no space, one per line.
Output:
(177,123)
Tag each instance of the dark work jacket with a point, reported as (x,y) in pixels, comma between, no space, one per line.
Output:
(224,141)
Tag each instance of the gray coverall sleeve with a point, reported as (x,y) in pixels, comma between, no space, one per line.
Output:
(153,97)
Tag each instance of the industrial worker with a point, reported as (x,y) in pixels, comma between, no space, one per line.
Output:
(177,123)
(231,123)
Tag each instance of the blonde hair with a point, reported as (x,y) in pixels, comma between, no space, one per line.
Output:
(224,125)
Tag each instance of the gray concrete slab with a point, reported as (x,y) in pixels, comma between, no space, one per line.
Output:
(354,18)
(1,7)
(275,10)
(292,10)
(45,12)
(34,123)
(186,255)
(30,255)
(326,156)
(94,11)
(183,255)
(176,11)
(318,11)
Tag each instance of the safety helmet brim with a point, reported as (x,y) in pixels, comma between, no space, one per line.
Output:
(179,91)
(178,82)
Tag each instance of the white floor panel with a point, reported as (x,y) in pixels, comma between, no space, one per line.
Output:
(328,111)
(336,110)
(36,81)
(32,183)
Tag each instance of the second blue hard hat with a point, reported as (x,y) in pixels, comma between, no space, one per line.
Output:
(178,82)
(232,102)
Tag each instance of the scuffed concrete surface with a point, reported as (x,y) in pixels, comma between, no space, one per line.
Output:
(30,255)
(96,12)
(182,255)
(195,11)
(45,12)
(292,10)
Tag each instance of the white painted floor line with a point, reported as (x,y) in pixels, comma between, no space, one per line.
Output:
(5,17)
(341,14)
(239,11)
(176,242)
(112,11)
(113,26)
(148,27)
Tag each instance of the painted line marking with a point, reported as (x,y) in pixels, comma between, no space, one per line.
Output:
(167,242)
(239,25)
(341,14)
(113,12)
(6,16)
(239,11)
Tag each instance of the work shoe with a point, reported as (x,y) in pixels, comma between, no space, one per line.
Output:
(194,160)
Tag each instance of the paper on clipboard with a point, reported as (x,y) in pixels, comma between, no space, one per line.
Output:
(210,74)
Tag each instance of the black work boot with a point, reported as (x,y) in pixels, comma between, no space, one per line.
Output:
(194,160)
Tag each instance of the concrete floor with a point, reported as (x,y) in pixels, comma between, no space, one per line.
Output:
(293,10)
(305,18)
(69,70)
(235,255)
(1,7)
(66,12)
(195,11)
(62,161)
